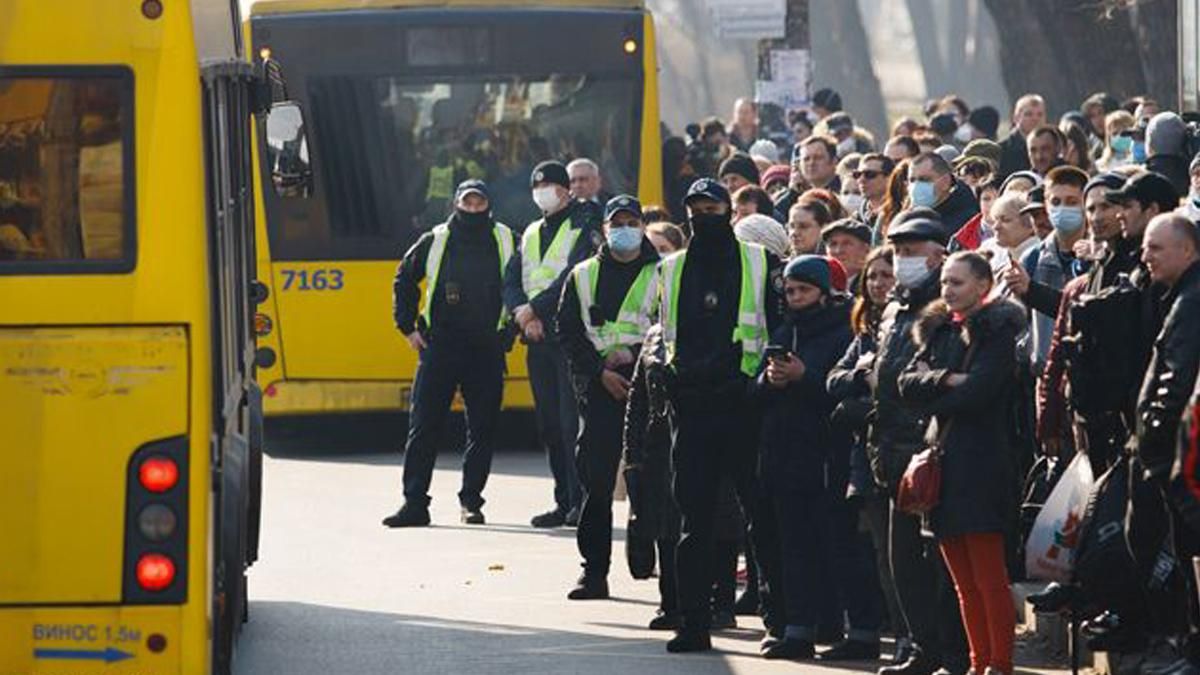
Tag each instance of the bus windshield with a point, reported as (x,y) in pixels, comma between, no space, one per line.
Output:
(391,149)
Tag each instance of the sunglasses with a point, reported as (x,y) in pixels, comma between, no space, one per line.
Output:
(869,174)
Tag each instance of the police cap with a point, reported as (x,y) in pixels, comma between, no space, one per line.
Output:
(707,188)
(620,203)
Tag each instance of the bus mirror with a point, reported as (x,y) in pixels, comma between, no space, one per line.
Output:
(287,150)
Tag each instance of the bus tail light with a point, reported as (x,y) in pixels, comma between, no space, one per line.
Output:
(155,569)
(158,474)
(155,572)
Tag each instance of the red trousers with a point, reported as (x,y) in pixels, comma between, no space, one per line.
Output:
(977,565)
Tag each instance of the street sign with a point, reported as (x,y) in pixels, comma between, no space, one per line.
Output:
(748,19)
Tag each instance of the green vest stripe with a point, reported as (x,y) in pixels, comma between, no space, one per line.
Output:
(437,251)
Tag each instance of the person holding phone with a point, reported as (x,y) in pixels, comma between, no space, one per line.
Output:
(798,446)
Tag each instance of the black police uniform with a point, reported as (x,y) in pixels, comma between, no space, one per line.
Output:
(602,417)
(465,350)
(549,376)
(715,428)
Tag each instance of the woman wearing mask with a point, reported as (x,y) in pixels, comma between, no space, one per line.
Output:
(963,372)
(847,383)
(1118,141)
(797,447)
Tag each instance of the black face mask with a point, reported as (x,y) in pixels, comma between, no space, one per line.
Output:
(702,222)
(472,219)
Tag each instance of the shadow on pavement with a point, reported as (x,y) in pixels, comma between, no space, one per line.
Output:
(302,639)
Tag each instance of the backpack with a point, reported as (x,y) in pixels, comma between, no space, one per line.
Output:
(1101,329)
(1126,561)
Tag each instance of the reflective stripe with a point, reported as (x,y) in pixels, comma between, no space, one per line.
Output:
(634,317)
(437,251)
(751,329)
(537,273)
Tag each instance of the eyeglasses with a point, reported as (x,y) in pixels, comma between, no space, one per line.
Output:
(869,174)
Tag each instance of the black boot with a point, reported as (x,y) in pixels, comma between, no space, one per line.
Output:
(552,518)
(408,516)
(917,664)
(589,588)
(790,648)
(690,640)
(1053,598)
(665,621)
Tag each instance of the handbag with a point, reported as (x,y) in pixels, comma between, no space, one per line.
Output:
(920,487)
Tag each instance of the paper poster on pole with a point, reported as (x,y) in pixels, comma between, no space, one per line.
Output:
(786,95)
(791,65)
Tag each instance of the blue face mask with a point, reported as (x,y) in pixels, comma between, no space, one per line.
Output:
(624,239)
(1122,145)
(1139,152)
(922,193)
(1066,219)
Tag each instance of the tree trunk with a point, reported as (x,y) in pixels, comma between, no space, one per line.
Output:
(1068,49)
(842,60)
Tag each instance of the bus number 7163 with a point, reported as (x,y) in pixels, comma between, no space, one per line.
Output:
(312,280)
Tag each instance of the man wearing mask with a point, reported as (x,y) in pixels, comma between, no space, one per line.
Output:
(925,591)
(720,300)
(1029,113)
(458,328)
(1102,433)
(549,249)
(1039,279)
(841,127)
(931,183)
(1046,145)
(608,304)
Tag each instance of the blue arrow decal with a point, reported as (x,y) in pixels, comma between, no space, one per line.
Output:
(109,655)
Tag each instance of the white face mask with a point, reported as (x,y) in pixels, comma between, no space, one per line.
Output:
(963,133)
(546,198)
(852,202)
(910,271)
(846,146)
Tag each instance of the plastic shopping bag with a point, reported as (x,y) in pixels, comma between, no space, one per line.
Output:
(1050,549)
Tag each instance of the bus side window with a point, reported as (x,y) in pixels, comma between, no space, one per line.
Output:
(287,150)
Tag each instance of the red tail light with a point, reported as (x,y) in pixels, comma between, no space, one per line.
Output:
(158,474)
(155,572)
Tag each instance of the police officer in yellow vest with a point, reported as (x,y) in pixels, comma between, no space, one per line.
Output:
(608,304)
(720,300)
(550,248)
(458,327)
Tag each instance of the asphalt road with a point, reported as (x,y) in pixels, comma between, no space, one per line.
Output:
(336,592)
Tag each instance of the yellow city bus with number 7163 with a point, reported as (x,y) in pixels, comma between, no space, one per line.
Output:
(130,424)
(406,98)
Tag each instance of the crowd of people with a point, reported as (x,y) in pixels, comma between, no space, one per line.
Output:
(771,352)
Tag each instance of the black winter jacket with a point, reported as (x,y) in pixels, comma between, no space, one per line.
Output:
(1171,375)
(979,481)
(647,444)
(897,428)
(797,439)
(847,384)
(957,208)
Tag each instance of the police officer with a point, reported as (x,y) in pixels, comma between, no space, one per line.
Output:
(550,248)
(458,327)
(720,299)
(608,305)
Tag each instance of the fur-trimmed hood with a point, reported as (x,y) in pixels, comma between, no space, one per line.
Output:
(997,314)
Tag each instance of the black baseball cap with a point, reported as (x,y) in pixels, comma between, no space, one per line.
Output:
(620,203)
(708,189)
(1109,180)
(1147,188)
(473,185)
(550,171)
(850,226)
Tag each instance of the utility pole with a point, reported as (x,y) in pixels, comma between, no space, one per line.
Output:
(784,64)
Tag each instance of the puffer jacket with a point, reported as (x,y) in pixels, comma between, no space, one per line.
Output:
(979,467)
(897,429)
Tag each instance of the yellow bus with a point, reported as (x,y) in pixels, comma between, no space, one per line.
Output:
(405,100)
(130,426)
